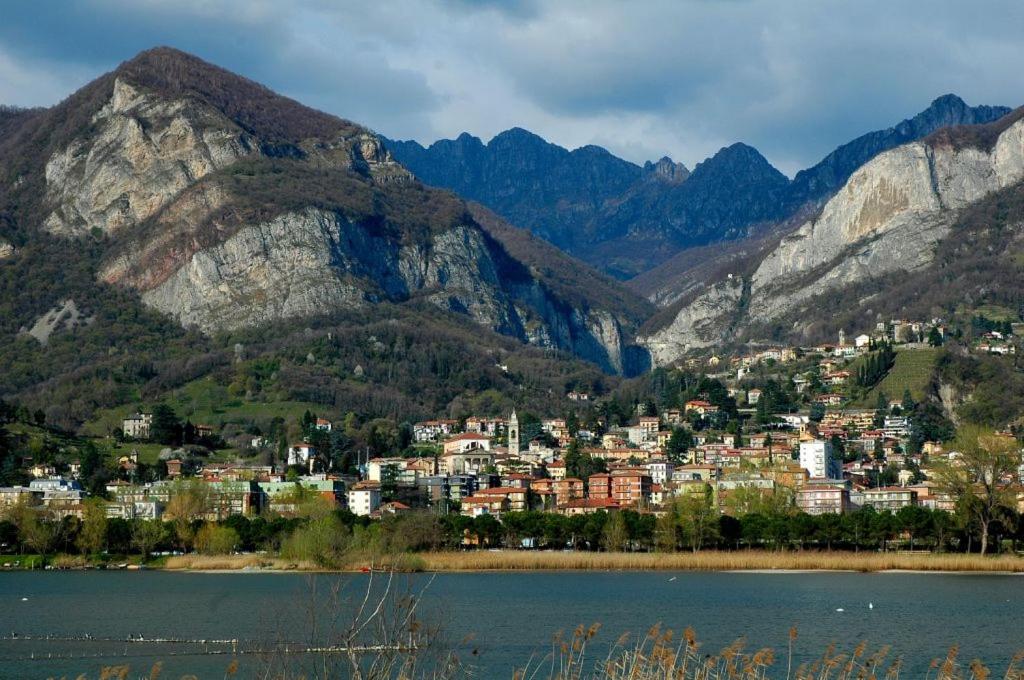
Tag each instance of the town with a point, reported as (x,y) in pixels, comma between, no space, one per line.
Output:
(783,430)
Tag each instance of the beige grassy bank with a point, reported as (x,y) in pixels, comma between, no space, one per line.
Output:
(514,560)
(718,561)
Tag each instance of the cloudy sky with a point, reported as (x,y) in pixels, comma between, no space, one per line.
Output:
(794,78)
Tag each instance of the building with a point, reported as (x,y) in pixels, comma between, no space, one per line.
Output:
(700,406)
(364,498)
(660,470)
(513,434)
(587,506)
(890,497)
(567,489)
(819,459)
(650,425)
(137,425)
(631,486)
(432,430)
(471,461)
(489,426)
(301,454)
(822,499)
(600,485)
(468,441)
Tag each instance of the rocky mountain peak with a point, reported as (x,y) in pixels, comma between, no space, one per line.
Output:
(668,170)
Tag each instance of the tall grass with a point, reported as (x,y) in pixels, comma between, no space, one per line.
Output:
(715,561)
(660,655)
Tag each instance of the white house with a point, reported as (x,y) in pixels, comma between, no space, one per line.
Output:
(364,498)
(301,454)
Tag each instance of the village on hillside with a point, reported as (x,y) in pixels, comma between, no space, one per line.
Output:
(815,434)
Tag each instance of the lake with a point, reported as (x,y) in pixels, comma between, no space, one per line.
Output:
(510,615)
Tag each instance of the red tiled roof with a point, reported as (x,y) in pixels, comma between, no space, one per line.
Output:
(467,435)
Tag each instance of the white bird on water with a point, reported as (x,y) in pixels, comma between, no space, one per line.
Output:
(672,579)
(871,605)
(840,609)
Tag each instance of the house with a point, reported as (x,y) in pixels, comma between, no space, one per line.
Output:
(700,406)
(381,469)
(391,508)
(587,506)
(753,396)
(42,470)
(137,425)
(690,473)
(556,469)
(660,470)
(890,498)
(302,454)
(649,425)
(323,425)
(578,396)
(831,399)
(513,499)
(488,426)
(475,506)
(673,416)
(432,430)
(364,498)
(862,341)
(837,377)
(821,499)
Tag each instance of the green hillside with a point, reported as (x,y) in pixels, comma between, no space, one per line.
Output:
(913,370)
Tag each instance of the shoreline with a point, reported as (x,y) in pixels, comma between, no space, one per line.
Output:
(749,562)
(762,562)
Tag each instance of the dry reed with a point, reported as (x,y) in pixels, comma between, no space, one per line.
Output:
(513,560)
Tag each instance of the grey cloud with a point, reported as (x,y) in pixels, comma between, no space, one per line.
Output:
(682,77)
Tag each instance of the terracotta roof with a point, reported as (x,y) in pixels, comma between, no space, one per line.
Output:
(467,435)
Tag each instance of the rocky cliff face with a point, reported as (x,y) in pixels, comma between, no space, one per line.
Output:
(146,151)
(887,219)
(226,206)
(301,264)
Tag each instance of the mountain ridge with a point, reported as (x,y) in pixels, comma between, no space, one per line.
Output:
(633,225)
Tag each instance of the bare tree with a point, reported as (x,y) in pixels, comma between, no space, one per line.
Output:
(980,477)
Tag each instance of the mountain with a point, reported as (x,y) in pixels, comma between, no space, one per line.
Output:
(918,231)
(822,180)
(615,215)
(529,181)
(628,220)
(725,197)
(202,205)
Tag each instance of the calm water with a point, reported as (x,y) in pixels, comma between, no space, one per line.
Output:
(513,615)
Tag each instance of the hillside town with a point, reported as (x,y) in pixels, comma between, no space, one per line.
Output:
(735,442)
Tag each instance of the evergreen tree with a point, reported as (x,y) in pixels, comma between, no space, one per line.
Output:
(166,428)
